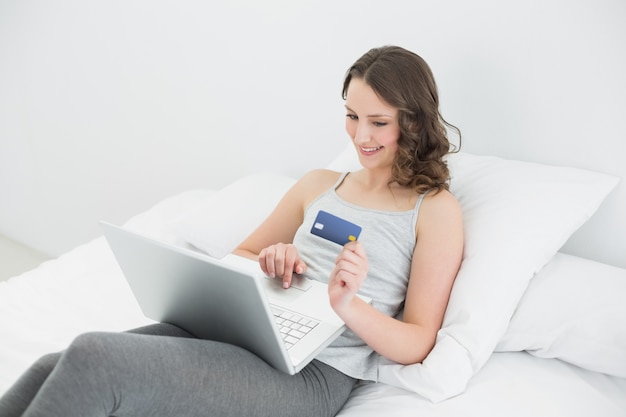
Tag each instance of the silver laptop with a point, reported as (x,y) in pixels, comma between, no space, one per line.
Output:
(228,300)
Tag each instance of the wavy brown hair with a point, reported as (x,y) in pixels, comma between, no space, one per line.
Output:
(404,80)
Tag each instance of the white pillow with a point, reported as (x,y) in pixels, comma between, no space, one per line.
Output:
(573,310)
(218,224)
(517,215)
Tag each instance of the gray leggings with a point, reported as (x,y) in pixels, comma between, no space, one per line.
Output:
(161,370)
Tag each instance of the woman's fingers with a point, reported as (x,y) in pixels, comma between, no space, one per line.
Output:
(351,267)
(281,260)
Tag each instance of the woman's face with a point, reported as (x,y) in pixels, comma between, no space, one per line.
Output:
(372,124)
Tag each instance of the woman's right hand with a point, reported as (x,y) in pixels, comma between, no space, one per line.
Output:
(281,260)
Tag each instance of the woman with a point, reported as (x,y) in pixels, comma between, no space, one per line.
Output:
(406,260)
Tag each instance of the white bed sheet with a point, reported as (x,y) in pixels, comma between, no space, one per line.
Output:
(42,310)
(510,384)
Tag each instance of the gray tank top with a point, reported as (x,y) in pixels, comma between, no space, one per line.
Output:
(389,240)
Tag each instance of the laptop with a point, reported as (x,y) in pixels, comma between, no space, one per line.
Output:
(229,300)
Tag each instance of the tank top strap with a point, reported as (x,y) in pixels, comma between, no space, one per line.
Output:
(418,203)
(342,177)
(416,210)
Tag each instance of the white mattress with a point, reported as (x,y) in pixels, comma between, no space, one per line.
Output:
(44,309)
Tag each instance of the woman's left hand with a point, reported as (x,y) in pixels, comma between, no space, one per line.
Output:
(350,270)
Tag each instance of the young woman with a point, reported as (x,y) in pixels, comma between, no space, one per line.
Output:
(406,259)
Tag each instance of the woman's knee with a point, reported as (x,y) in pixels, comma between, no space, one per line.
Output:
(46,363)
(90,350)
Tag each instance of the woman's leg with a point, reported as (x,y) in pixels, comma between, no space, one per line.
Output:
(118,374)
(19,396)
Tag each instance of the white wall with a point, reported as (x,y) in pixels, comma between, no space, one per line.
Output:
(107,107)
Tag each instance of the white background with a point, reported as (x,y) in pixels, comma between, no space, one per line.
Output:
(107,107)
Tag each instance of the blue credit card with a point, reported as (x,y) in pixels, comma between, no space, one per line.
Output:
(334,228)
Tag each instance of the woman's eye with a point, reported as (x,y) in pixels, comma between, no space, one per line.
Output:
(380,124)
(352,116)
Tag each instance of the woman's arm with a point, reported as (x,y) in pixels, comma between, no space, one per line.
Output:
(436,261)
(271,243)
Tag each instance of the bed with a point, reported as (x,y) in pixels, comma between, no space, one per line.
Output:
(529,330)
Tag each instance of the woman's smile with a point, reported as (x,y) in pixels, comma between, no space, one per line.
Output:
(370,151)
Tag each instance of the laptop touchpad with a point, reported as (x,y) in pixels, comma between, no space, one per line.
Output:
(297,281)
(274,287)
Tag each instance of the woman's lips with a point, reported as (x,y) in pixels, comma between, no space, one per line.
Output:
(369,150)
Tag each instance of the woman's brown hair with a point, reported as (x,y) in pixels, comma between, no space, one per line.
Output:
(404,80)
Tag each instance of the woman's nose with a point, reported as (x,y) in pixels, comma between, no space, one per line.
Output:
(362,134)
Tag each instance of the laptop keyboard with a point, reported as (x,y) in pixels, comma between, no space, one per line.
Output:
(292,326)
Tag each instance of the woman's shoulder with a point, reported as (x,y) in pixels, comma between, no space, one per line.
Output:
(442,196)
(314,183)
(441,204)
(440,207)
(319,179)
(441,200)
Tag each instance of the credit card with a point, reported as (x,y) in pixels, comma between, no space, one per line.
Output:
(335,228)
